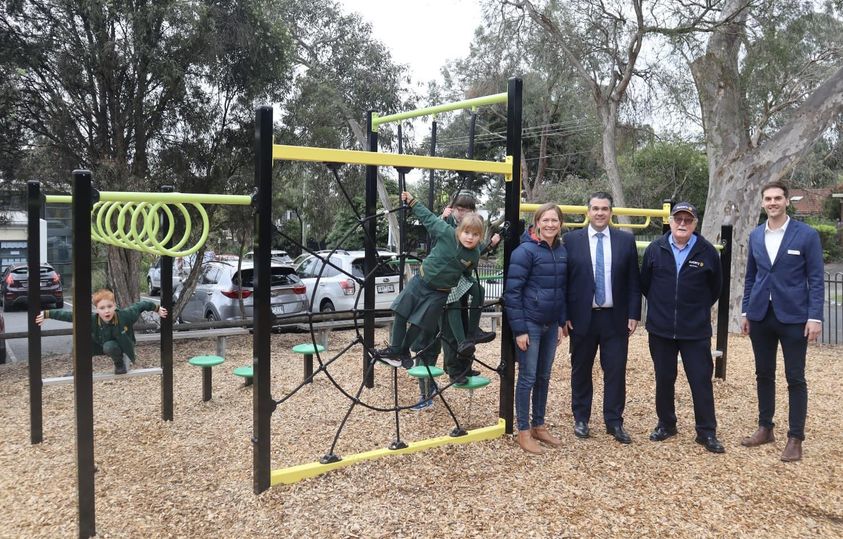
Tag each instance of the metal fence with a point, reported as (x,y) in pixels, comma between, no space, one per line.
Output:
(833,309)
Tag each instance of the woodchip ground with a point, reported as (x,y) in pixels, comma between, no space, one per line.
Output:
(192,477)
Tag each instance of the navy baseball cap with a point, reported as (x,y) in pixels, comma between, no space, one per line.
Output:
(686,207)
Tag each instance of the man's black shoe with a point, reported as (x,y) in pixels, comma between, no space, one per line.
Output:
(120,369)
(581,429)
(481,337)
(473,372)
(466,349)
(661,434)
(619,434)
(711,443)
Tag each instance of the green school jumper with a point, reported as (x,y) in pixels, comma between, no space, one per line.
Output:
(422,301)
(113,338)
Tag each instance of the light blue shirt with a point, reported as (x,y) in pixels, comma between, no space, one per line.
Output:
(680,255)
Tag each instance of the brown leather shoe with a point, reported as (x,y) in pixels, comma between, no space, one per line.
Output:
(541,434)
(760,437)
(793,450)
(528,444)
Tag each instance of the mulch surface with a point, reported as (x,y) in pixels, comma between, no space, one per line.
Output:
(192,477)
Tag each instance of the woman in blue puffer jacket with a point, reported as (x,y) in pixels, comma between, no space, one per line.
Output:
(534,298)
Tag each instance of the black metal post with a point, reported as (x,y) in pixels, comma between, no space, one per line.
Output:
(166,292)
(261,396)
(402,223)
(370,236)
(512,211)
(722,343)
(33,256)
(82,363)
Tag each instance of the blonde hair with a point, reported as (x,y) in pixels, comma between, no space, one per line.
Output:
(471,222)
(101,294)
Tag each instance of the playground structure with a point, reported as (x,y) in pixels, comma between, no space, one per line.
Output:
(139,227)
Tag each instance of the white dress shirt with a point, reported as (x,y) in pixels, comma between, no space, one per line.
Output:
(607,263)
(773,239)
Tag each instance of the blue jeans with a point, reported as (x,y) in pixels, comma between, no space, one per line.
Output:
(534,374)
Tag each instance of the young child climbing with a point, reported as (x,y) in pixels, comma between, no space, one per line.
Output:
(111,328)
(418,307)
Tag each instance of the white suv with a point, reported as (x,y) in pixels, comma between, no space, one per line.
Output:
(337,290)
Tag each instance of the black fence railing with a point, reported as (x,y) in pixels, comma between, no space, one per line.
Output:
(833,309)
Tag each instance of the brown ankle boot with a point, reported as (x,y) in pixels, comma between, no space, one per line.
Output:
(541,434)
(793,450)
(760,437)
(528,444)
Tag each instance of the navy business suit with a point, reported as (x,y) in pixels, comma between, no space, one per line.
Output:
(606,329)
(779,297)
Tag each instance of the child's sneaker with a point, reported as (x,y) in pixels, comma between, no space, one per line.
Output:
(423,404)
(392,357)
(458,379)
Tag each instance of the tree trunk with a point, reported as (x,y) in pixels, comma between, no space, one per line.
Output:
(124,284)
(608,110)
(737,171)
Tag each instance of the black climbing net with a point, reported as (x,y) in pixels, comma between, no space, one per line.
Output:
(358,317)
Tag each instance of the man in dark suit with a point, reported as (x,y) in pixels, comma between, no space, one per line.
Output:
(604,306)
(680,277)
(782,303)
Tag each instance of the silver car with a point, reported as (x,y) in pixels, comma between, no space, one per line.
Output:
(217,295)
(338,289)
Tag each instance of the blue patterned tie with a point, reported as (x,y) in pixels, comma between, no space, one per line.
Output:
(599,273)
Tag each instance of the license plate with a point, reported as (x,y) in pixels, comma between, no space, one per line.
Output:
(277,309)
(386,288)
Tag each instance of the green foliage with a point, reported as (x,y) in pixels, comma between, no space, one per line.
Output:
(668,170)
(830,238)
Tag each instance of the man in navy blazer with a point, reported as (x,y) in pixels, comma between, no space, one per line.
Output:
(604,306)
(782,303)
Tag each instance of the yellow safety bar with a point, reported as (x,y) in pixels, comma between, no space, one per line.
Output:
(662,214)
(356,157)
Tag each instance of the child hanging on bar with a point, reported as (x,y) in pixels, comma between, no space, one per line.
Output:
(112,330)
(455,254)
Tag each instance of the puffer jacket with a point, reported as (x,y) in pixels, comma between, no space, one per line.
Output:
(535,283)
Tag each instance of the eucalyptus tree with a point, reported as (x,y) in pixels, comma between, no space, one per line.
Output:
(770,85)
(559,129)
(340,73)
(602,41)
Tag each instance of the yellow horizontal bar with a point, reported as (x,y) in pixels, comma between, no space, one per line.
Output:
(436,109)
(294,474)
(662,213)
(169,198)
(356,157)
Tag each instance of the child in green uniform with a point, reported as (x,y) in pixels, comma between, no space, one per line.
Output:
(453,330)
(111,328)
(420,304)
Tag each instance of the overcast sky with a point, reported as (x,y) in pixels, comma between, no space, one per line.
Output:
(423,34)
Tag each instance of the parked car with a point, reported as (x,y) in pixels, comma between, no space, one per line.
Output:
(3,341)
(337,290)
(14,286)
(278,257)
(181,267)
(217,295)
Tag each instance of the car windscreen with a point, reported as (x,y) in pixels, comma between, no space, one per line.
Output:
(387,268)
(23,271)
(281,275)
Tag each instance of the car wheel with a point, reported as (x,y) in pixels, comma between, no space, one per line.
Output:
(152,290)
(2,352)
(327,307)
(211,317)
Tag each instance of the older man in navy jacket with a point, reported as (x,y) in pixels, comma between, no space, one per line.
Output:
(681,279)
(782,303)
